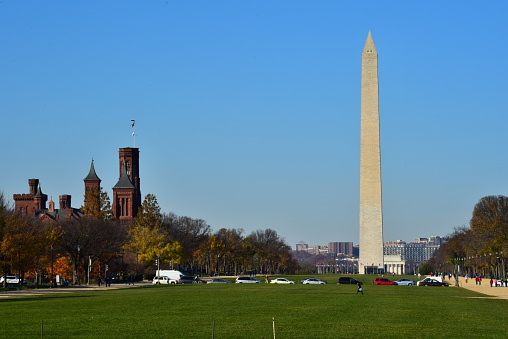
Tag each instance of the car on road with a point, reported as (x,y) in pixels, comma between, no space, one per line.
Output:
(247,280)
(432,282)
(218,281)
(405,282)
(383,281)
(163,281)
(348,280)
(188,279)
(313,281)
(281,281)
(11,279)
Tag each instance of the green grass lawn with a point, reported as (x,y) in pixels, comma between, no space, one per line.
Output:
(247,310)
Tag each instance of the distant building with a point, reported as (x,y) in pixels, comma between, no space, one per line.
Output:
(345,248)
(126,193)
(413,252)
(34,204)
(302,246)
(317,249)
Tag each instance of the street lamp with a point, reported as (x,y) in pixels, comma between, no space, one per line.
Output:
(19,264)
(77,266)
(53,282)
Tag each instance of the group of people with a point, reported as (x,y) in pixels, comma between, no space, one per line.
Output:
(107,282)
(498,283)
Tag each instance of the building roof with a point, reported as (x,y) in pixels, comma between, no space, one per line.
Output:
(38,194)
(124,181)
(92,175)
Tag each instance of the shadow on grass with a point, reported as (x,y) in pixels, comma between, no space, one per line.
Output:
(42,297)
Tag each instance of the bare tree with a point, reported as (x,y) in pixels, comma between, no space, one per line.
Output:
(91,237)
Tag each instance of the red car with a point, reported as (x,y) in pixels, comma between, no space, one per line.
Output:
(383,281)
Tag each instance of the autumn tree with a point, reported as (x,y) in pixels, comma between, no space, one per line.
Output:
(150,244)
(97,204)
(148,239)
(190,233)
(233,250)
(490,223)
(269,248)
(25,245)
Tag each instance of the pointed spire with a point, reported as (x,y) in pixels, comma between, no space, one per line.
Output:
(92,175)
(38,194)
(369,44)
(124,181)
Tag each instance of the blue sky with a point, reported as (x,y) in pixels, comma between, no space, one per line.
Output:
(248,113)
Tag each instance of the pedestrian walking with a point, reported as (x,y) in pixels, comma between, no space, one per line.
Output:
(99,281)
(360,288)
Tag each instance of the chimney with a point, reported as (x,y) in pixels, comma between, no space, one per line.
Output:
(65,201)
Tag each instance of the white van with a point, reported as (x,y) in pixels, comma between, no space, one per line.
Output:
(171,274)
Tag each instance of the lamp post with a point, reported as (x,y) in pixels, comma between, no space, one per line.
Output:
(19,264)
(77,266)
(52,272)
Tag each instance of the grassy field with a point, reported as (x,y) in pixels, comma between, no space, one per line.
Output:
(248,310)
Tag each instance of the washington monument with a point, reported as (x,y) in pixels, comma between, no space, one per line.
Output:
(371,211)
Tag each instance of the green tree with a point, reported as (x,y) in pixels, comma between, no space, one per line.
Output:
(97,204)
(149,214)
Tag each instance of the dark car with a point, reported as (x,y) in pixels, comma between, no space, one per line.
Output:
(431,282)
(383,281)
(187,279)
(348,280)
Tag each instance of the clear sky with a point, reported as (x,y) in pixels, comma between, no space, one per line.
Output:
(248,112)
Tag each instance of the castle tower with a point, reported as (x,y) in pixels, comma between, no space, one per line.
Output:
(126,192)
(92,190)
(371,213)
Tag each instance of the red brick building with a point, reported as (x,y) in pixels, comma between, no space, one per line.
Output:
(34,204)
(126,193)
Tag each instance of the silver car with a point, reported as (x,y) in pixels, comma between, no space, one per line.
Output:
(405,282)
(247,280)
(313,281)
(218,281)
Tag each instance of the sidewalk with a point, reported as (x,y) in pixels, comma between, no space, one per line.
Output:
(81,288)
(484,288)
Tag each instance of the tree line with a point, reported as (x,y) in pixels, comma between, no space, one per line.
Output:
(481,248)
(96,245)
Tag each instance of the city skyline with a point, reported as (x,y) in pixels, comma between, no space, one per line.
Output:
(248,115)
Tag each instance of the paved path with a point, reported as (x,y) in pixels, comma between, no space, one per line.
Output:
(484,288)
(82,288)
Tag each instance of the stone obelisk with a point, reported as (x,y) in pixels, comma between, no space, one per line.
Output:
(371,212)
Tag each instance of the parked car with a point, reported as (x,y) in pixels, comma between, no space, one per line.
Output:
(163,280)
(431,282)
(348,280)
(188,279)
(383,281)
(247,280)
(313,281)
(11,279)
(281,281)
(405,282)
(218,281)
